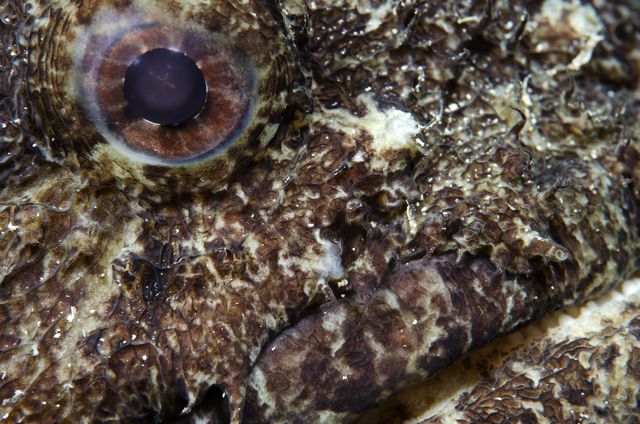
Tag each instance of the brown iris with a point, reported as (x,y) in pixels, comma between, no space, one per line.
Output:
(171,94)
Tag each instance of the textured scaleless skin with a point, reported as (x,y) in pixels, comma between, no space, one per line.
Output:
(579,365)
(399,183)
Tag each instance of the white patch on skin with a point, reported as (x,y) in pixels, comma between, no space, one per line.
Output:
(330,267)
(325,265)
(504,96)
(240,193)
(358,157)
(584,22)
(629,291)
(562,19)
(391,299)
(378,15)
(331,323)
(265,397)
(526,233)
(251,246)
(411,221)
(390,130)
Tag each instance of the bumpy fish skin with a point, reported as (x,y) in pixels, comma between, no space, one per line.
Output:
(466,168)
(589,376)
(580,364)
(521,245)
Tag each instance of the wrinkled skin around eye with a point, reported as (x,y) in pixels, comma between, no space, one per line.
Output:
(77,91)
(423,178)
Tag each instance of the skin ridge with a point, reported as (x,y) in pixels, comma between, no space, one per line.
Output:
(402,214)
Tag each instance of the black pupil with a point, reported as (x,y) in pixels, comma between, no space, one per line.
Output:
(165,87)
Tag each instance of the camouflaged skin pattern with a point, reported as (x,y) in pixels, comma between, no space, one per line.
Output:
(465,168)
(565,384)
(576,373)
(494,240)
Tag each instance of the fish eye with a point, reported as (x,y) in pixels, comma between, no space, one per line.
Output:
(172,95)
(167,95)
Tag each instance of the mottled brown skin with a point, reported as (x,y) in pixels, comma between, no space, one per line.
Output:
(132,292)
(560,369)
(564,382)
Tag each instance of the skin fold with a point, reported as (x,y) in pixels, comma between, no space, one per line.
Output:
(416,179)
(576,365)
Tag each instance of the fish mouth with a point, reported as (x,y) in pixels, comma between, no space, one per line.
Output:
(605,329)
